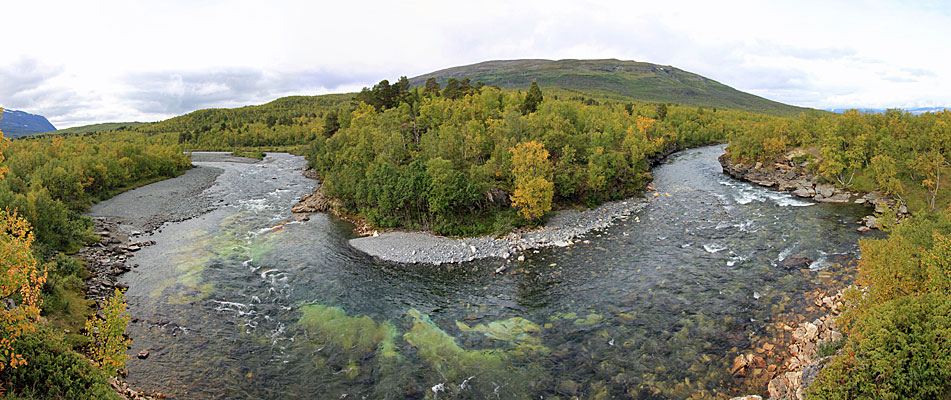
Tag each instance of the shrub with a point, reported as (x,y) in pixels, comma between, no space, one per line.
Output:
(55,372)
(901,349)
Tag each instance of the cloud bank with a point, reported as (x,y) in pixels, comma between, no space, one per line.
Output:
(121,61)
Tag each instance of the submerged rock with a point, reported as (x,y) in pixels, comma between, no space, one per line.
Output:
(795,262)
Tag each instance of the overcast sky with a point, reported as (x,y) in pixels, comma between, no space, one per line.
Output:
(81,62)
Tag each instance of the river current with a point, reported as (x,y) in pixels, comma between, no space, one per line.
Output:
(246,302)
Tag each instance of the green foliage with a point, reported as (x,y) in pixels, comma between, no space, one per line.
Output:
(432,162)
(108,334)
(899,342)
(532,99)
(257,154)
(53,179)
(53,371)
(901,350)
(288,121)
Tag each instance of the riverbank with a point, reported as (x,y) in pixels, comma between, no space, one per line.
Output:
(785,174)
(125,218)
(561,230)
(794,350)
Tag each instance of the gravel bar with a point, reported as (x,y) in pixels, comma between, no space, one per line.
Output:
(426,248)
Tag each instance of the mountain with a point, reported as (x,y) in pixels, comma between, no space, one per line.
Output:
(18,123)
(622,80)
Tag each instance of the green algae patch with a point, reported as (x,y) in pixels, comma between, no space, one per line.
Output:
(590,319)
(510,330)
(359,336)
(443,353)
(481,371)
(518,331)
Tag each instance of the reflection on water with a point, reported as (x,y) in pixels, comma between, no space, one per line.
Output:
(242,303)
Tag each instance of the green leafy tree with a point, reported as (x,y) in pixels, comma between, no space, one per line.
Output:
(431,88)
(532,99)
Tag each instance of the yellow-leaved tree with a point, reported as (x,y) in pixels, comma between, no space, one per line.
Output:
(20,281)
(108,334)
(533,180)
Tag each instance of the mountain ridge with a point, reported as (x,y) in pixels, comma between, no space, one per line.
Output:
(620,79)
(16,123)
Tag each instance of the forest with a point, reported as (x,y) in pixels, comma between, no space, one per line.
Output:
(46,183)
(470,159)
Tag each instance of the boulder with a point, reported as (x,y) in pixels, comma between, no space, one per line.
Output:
(803,192)
(498,197)
(835,198)
(825,190)
(795,261)
(777,388)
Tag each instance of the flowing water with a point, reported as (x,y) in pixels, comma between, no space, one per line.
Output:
(245,302)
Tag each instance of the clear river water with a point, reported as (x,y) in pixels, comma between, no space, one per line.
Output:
(245,302)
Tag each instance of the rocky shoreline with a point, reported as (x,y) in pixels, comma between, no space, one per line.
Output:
(561,230)
(787,175)
(797,359)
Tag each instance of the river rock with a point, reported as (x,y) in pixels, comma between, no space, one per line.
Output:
(143,354)
(314,202)
(803,192)
(795,261)
(840,197)
(825,190)
(777,388)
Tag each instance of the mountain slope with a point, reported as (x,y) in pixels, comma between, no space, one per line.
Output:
(18,123)
(624,80)
(101,127)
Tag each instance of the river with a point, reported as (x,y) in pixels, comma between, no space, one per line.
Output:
(246,302)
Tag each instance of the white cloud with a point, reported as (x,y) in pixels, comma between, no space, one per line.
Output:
(105,60)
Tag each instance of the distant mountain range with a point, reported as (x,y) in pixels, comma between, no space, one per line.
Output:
(916,111)
(621,80)
(18,123)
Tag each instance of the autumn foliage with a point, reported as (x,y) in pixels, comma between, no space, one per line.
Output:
(108,341)
(533,186)
(20,282)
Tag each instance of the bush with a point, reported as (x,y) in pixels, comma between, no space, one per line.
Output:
(901,349)
(54,372)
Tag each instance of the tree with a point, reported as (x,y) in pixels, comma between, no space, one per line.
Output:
(533,187)
(108,334)
(331,124)
(432,87)
(661,110)
(453,90)
(532,99)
